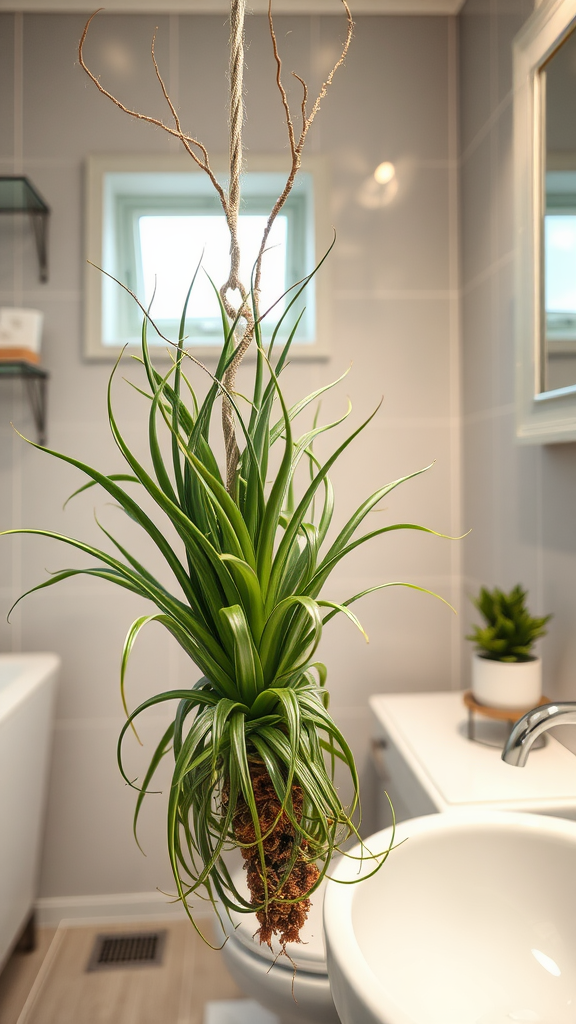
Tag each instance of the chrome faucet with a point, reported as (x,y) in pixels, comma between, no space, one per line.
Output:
(528,728)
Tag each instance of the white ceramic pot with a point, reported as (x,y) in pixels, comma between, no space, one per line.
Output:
(506,684)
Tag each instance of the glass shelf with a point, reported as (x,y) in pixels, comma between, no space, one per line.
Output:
(35,379)
(18,195)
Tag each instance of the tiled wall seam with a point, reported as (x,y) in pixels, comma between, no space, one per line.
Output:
(455,351)
(18,144)
(493,269)
(486,128)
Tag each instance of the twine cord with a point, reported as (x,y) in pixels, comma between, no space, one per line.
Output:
(242,339)
(237,15)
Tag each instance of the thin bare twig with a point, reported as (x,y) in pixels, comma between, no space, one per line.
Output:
(173,110)
(187,140)
(230,203)
(328,82)
(307,119)
(304,98)
(278,59)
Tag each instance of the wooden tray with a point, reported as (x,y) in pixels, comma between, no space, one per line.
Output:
(24,355)
(510,715)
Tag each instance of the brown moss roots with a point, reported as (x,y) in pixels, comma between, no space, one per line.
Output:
(282,919)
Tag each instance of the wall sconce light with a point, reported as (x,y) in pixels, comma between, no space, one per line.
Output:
(384,173)
(380,189)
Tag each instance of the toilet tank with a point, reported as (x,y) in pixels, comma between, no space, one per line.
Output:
(27,699)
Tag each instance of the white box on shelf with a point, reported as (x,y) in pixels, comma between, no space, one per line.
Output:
(20,332)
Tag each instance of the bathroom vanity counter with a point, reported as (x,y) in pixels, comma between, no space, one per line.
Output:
(427,764)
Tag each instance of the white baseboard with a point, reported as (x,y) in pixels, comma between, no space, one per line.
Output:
(121,906)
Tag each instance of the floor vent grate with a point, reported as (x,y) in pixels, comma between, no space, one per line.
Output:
(130,949)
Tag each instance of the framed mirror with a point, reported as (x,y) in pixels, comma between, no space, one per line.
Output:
(545,197)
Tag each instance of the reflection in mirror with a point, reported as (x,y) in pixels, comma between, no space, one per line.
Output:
(545,224)
(558,90)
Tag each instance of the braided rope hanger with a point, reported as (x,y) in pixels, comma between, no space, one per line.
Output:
(237,16)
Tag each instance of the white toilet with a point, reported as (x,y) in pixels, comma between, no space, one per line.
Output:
(253,969)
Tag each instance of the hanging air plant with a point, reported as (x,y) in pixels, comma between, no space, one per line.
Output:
(253,743)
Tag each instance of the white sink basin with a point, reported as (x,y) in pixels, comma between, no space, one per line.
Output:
(471,921)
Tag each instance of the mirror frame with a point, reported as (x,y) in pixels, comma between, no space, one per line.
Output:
(545,417)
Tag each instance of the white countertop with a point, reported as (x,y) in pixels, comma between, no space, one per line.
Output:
(429,730)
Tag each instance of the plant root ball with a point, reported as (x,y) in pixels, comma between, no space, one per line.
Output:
(282,919)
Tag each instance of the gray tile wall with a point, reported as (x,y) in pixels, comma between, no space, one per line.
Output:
(394,275)
(518,501)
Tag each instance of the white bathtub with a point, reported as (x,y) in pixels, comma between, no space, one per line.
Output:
(27,698)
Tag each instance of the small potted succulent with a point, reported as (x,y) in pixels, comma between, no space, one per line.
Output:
(505,671)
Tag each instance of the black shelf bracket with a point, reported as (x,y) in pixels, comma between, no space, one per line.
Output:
(19,195)
(36,384)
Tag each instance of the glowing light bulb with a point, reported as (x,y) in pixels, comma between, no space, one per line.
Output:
(546,962)
(384,172)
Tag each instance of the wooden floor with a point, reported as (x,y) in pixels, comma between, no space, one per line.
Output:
(51,986)
(19,975)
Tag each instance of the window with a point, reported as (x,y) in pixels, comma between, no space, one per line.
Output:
(560,248)
(560,261)
(151,222)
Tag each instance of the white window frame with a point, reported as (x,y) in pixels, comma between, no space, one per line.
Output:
(97,286)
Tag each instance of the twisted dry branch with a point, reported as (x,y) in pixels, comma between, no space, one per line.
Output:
(187,140)
(296,147)
(231,202)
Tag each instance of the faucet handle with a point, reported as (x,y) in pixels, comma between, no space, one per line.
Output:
(528,728)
